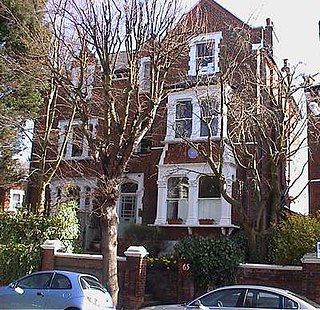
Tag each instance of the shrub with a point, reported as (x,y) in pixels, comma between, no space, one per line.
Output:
(142,235)
(213,260)
(295,236)
(163,262)
(22,234)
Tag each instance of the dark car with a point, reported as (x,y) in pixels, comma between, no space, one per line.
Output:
(245,297)
(56,289)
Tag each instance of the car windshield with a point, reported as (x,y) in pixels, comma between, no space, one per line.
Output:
(90,283)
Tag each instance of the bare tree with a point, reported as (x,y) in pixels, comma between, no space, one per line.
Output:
(139,41)
(261,129)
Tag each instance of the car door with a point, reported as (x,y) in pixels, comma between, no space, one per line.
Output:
(221,299)
(60,292)
(263,299)
(28,293)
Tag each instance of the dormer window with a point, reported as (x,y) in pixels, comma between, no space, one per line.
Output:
(204,52)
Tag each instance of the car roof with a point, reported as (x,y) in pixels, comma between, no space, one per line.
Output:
(65,272)
(255,286)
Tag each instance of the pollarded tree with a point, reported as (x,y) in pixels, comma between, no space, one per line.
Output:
(260,131)
(139,40)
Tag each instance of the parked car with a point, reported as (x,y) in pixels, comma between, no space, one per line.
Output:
(245,297)
(56,289)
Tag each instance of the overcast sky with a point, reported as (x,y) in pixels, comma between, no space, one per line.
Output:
(295,26)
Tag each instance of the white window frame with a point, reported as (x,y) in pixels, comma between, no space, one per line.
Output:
(13,192)
(195,95)
(85,147)
(137,178)
(181,201)
(144,75)
(215,37)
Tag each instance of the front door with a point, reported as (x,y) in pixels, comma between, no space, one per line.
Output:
(127,205)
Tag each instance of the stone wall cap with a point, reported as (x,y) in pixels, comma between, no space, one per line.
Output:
(310,258)
(136,251)
(52,245)
(270,267)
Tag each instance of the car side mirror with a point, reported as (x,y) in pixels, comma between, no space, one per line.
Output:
(19,290)
(197,304)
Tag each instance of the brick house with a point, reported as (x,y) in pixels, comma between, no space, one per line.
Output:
(312,93)
(169,184)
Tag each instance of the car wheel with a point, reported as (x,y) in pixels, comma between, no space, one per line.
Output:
(72,308)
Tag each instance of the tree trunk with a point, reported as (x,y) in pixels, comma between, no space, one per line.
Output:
(252,243)
(107,211)
(41,201)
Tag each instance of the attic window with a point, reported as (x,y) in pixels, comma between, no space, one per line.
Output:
(204,52)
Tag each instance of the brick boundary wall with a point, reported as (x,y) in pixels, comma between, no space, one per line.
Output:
(134,282)
(131,270)
(303,280)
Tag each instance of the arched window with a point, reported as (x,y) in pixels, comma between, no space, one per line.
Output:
(73,193)
(128,202)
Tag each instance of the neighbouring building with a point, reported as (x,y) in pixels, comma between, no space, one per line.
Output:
(312,93)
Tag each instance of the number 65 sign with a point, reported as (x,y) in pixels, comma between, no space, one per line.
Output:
(184,267)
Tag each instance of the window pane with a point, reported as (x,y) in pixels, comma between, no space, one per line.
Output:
(16,198)
(183,128)
(77,141)
(128,204)
(73,193)
(183,124)
(290,304)
(178,187)
(172,212)
(262,299)
(205,49)
(223,298)
(184,109)
(60,282)
(38,281)
(207,123)
(209,187)
(210,109)
(129,187)
(87,198)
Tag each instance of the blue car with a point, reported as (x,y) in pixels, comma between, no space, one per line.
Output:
(56,289)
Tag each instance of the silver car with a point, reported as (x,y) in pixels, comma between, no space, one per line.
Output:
(56,289)
(245,297)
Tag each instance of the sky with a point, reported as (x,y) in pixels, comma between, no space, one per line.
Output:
(295,26)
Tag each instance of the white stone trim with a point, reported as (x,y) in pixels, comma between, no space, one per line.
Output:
(192,171)
(137,178)
(195,95)
(68,153)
